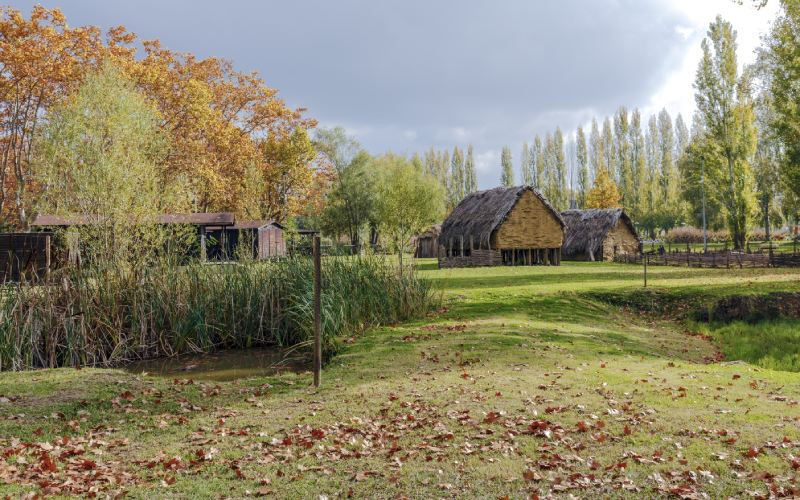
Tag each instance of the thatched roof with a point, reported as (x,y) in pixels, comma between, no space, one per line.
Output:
(481,213)
(431,232)
(586,229)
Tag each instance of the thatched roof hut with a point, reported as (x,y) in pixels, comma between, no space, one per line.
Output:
(504,225)
(599,234)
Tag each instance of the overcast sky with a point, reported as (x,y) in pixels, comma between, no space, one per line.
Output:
(405,75)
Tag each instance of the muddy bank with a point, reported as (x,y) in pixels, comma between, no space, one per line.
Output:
(704,307)
(753,308)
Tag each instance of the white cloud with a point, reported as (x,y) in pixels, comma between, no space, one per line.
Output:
(676,94)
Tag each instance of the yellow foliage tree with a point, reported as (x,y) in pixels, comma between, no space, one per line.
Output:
(215,118)
(604,192)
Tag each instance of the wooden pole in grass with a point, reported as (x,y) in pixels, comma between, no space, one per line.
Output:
(644,259)
(317,311)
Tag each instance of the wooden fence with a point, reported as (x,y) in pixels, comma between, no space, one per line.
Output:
(722,259)
(24,255)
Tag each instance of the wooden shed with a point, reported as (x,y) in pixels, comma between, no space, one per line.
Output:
(204,223)
(25,256)
(505,225)
(264,238)
(426,244)
(599,234)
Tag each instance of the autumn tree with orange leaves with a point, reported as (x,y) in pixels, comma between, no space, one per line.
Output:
(220,123)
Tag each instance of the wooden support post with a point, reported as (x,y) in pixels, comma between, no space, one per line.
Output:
(47,257)
(317,311)
(644,260)
(202,243)
(546,256)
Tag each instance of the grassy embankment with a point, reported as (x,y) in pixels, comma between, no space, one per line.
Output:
(530,381)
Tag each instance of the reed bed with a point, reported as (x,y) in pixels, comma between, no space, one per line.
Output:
(106,317)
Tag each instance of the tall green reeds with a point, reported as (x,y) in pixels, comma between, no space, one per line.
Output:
(99,315)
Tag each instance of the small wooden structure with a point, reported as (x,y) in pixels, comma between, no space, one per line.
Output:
(203,222)
(426,244)
(25,256)
(504,225)
(264,238)
(599,234)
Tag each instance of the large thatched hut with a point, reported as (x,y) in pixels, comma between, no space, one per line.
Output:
(599,234)
(426,244)
(505,225)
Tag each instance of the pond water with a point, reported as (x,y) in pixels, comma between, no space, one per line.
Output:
(223,365)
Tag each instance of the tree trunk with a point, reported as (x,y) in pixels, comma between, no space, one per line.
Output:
(737,236)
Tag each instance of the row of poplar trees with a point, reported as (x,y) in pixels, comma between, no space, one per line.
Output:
(623,162)
(741,157)
(456,172)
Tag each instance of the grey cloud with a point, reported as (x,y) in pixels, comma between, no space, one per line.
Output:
(413,74)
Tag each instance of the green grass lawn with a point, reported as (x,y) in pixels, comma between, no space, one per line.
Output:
(528,381)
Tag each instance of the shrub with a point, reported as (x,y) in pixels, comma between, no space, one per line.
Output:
(760,235)
(689,234)
(101,316)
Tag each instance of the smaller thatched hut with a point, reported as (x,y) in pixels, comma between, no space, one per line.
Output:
(505,225)
(599,234)
(426,244)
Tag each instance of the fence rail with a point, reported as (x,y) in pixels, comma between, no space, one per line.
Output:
(721,259)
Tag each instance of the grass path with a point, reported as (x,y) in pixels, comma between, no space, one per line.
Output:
(525,384)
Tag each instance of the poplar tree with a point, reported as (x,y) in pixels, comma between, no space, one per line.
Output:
(455,192)
(443,170)
(548,173)
(526,166)
(507,174)
(651,191)
(638,164)
(596,150)
(724,102)
(560,196)
(539,163)
(766,161)
(470,176)
(582,154)
(623,150)
(666,141)
(430,160)
(609,151)
(783,55)
(681,137)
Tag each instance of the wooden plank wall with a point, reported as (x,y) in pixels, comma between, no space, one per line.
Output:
(25,255)
(427,247)
(271,242)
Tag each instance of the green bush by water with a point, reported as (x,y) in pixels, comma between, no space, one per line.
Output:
(106,317)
